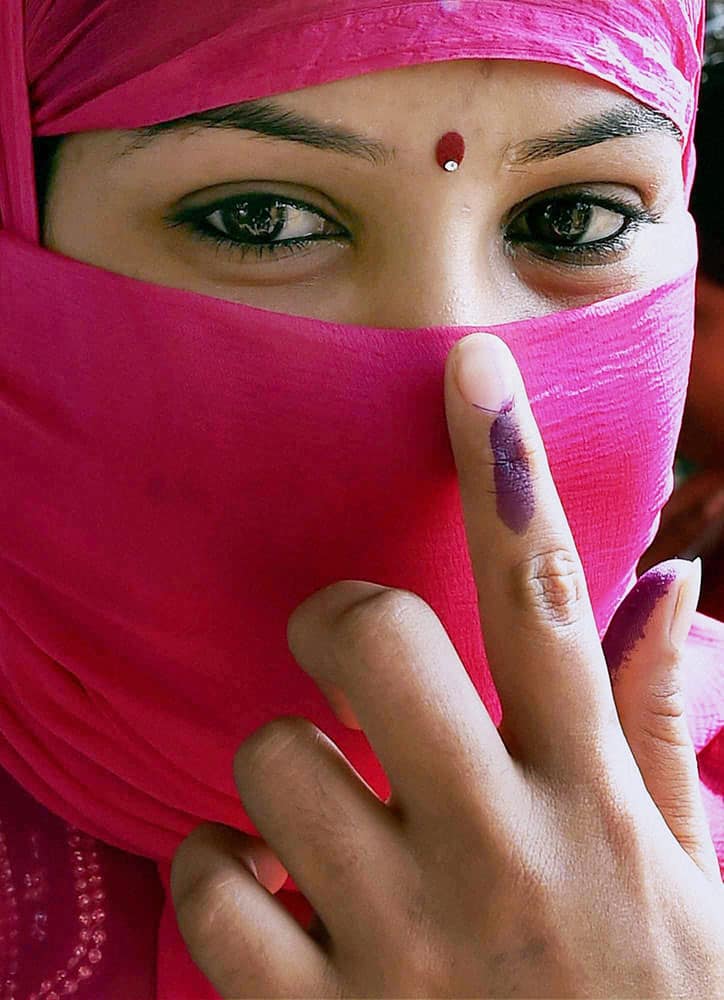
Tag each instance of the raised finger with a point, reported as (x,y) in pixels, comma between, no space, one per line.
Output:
(538,625)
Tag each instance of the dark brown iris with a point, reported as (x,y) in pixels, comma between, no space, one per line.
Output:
(247,221)
(560,222)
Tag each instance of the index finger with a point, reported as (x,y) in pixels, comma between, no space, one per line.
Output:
(540,633)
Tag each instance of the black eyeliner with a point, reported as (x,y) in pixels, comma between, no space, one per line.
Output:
(194,219)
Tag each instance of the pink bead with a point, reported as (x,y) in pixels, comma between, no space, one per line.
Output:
(99,895)
(70,987)
(85,971)
(74,840)
(85,934)
(94,867)
(99,915)
(81,884)
(95,956)
(79,950)
(53,995)
(45,986)
(95,880)
(99,936)
(85,919)
(78,869)
(60,975)
(84,901)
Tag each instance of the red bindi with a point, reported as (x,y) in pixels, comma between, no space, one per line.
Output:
(450,151)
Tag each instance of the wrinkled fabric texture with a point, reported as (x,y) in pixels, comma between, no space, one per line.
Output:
(185,470)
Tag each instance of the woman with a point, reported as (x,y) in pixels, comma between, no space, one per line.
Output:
(214,453)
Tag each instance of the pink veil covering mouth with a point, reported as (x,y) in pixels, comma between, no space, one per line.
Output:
(144,587)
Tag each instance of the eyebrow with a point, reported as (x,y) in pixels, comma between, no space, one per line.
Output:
(619,122)
(268,118)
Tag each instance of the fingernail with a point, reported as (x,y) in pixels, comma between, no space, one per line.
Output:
(482,371)
(250,866)
(686,604)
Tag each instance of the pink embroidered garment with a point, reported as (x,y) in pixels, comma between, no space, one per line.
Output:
(182,471)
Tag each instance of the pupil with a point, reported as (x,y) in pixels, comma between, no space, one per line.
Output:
(249,222)
(565,221)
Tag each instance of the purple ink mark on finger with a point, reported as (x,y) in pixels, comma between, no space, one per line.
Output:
(628,625)
(515,496)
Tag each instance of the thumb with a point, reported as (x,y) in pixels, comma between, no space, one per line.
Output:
(644,647)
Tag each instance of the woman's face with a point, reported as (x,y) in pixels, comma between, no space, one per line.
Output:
(537,218)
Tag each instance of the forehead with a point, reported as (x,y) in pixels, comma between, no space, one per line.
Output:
(538,109)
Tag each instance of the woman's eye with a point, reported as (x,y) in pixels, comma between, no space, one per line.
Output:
(586,226)
(568,223)
(264,224)
(579,227)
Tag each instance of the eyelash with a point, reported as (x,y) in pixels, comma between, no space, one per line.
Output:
(593,252)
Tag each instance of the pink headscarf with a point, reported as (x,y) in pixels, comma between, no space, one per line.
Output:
(186,470)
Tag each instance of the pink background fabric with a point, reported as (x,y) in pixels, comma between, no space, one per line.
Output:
(187,470)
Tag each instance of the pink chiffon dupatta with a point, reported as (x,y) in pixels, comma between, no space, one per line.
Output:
(186,470)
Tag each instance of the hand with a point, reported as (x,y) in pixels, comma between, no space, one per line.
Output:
(564,854)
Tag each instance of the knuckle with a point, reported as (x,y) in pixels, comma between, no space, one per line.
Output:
(665,716)
(207,917)
(202,904)
(369,623)
(203,893)
(277,739)
(550,582)
(666,696)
